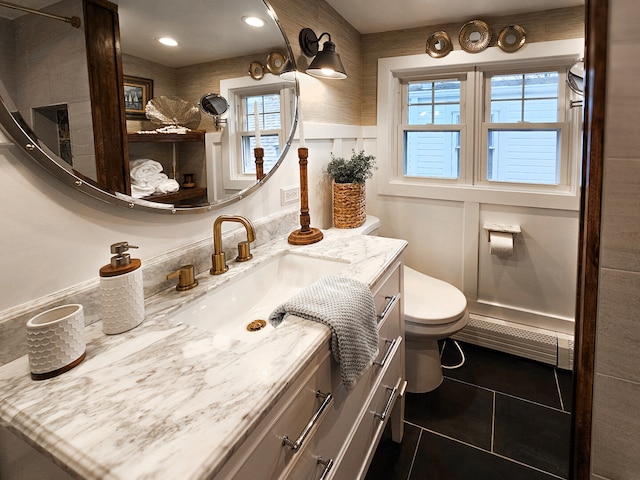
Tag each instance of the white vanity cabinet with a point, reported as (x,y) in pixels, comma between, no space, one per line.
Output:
(208,409)
(343,430)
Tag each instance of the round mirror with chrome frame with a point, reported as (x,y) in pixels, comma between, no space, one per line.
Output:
(19,124)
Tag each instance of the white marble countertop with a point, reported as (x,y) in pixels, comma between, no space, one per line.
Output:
(164,400)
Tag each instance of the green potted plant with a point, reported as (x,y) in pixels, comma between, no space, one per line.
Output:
(349,177)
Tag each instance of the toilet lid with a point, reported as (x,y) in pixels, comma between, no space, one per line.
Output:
(428,300)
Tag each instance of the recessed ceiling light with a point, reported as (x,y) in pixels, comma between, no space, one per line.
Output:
(169,42)
(253,21)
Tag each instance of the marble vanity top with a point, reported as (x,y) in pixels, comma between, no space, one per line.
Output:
(164,400)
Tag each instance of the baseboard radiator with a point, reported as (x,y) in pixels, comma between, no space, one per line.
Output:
(529,342)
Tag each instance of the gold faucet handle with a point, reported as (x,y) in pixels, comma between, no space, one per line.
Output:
(244,251)
(186,278)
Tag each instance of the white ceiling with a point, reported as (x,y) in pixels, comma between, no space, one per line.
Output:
(215,29)
(372,16)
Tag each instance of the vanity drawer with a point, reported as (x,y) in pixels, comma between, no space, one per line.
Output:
(365,440)
(387,287)
(351,428)
(269,457)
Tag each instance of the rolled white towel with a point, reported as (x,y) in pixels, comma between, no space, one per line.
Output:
(139,191)
(167,186)
(142,169)
(157,179)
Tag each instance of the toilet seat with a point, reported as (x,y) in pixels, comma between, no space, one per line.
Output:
(429,301)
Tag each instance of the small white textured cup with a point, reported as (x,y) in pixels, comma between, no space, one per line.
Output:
(56,341)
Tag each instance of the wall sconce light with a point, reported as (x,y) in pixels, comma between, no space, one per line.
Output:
(327,63)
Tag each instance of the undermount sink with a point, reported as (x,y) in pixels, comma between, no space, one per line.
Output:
(227,310)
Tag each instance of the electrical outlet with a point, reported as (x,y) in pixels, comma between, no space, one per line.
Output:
(289,195)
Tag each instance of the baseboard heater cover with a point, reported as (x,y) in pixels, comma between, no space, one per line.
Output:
(529,342)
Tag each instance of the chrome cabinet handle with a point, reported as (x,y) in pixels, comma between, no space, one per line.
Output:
(295,446)
(385,358)
(382,416)
(328,464)
(390,301)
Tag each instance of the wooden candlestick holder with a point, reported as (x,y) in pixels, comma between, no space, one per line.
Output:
(305,235)
(258,152)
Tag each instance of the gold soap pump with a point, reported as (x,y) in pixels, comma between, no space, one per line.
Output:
(121,291)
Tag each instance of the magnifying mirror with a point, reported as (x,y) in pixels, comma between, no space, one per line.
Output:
(575,77)
(213,104)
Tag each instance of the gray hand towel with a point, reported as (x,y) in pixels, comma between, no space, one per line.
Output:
(346,306)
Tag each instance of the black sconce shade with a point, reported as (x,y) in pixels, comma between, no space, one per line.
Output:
(327,63)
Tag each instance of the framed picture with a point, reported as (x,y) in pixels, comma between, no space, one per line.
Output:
(137,92)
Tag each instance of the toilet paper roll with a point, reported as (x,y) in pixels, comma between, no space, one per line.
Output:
(501,243)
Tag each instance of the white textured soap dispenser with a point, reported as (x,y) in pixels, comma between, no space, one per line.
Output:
(121,291)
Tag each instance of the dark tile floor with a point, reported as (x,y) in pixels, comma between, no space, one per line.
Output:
(498,417)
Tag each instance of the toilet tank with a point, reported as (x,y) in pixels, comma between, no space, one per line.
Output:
(369,227)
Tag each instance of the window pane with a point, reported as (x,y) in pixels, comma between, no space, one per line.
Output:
(420,115)
(531,97)
(435,102)
(506,111)
(271,146)
(447,91)
(268,111)
(543,110)
(270,119)
(420,92)
(506,87)
(432,154)
(524,156)
(541,85)
(446,114)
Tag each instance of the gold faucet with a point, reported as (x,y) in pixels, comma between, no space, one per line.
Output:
(186,278)
(219,264)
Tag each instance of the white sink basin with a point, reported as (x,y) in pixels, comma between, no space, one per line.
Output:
(228,309)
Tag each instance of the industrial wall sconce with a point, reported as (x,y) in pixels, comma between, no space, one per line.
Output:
(327,63)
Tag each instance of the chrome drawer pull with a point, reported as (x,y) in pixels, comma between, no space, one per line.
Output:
(295,446)
(392,344)
(328,464)
(382,416)
(387,307)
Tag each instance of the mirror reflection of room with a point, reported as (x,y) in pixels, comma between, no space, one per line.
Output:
(57,99)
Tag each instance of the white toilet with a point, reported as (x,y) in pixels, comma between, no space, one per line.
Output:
(433,310)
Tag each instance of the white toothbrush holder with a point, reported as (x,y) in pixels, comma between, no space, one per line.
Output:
(56,341)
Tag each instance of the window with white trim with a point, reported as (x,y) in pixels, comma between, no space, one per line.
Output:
(432,130)
(485,127)
(523,130)
(269,108)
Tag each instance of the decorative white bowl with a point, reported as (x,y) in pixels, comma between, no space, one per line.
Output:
(56,341)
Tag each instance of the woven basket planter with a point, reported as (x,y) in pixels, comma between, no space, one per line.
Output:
(349,205)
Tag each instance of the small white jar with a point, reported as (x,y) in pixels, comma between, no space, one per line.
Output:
(56,341)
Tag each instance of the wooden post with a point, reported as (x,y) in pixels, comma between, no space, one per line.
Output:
(305,235)
(258,152)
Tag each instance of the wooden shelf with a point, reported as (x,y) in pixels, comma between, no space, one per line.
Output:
(184,196)
(179,196)
(191,136)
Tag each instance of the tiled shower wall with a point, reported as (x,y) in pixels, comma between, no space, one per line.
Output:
(616,422)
